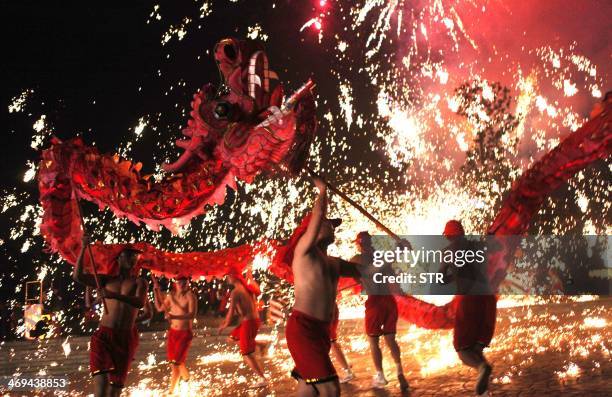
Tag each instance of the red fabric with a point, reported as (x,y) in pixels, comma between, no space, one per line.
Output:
(425,314)
(333,327)
(177,345)
(380,315)
(245,334)
(591,142)
(474,320)
(309,344)
(112,351)
(284,254)
(251,286)
(217,153)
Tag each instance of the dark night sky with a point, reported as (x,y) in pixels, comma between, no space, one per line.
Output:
(72,53)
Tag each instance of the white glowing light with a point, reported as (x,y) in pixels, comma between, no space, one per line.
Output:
(142,123)
(569,88)
(18,103)
(595,322)
(66,347)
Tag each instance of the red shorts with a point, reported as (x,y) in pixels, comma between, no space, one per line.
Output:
(333,326)
(245,334)
(112,351)
(474,320)
(309,344)
(177,344)
(380,315)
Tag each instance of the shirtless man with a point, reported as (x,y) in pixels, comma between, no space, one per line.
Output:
(380,314)
(476,311)
(180,307)
(114,344)
(242,303)
(315,282)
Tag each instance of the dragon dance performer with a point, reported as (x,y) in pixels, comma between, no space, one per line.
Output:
(337,349)
(380,313)
(315,281)
(476,308)
(180,307)
(243,303)
(114,344)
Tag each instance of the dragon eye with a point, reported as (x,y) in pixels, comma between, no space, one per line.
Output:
(230,51)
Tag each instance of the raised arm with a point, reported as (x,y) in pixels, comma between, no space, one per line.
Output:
(159,297)
(308,240)
(78,273)
(192,309)
(147,311)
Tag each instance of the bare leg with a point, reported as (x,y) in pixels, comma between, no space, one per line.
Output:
(184,372)
(339,354)
(470,358)
(376,353)
(395,351)
(474,358)
(325,389)
(261,347)
(304,390)
(115,391)
(328,389)
(397,358)
(252,362)
(101,385)
(174,377)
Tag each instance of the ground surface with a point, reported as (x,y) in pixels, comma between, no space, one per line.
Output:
(559,350)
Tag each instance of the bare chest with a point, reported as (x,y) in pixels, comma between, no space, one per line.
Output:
(123,287)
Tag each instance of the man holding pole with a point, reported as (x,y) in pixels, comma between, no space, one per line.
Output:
(114,344)
(315,279)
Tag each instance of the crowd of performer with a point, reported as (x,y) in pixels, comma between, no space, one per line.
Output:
(311,326)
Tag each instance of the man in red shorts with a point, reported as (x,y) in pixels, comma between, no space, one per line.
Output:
(242,303)
(476,313)
(114,343)
(380,313)
(180,307)
(315,283)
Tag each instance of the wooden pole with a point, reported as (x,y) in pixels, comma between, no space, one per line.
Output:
(91,257)
(357,206)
